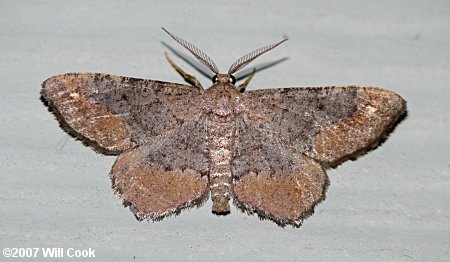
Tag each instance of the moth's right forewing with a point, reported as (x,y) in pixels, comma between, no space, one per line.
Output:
(284,136)
(329,124)
(114,113)
(377,111)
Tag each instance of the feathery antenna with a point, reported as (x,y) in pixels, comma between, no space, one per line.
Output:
(246,59)
(199,54)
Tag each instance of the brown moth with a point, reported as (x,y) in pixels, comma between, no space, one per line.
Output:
(176,144)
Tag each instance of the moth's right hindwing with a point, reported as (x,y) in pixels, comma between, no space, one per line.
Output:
(285,136)
(272,180)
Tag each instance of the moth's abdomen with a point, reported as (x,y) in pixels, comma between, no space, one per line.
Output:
(220,137)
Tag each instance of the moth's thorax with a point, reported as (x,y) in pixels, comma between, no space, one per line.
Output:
(221,99)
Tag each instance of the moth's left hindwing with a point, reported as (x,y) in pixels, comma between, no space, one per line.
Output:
(114,113)
(162,178)
(155,126)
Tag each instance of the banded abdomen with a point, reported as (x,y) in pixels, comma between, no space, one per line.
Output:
(220,140)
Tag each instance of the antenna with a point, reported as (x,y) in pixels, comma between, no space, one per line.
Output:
(246,59)
(199,54)
(236,66)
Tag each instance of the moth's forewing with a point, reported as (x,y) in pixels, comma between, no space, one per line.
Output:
(377,111)
(114,113)
(329,124)
(167,170)
(287,134)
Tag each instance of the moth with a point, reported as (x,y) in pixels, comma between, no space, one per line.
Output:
(267,150)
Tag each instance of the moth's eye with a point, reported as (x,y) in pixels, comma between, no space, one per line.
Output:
(232,80)
(215,79)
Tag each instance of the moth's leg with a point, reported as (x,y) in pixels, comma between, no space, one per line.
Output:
(187,77)
(242,86)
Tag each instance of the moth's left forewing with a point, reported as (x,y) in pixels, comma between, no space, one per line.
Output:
(67,97)
(115,113)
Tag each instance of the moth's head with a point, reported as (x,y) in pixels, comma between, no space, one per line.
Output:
(224,79)
(236,66)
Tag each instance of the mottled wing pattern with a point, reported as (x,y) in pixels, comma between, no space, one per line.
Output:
(297,130)
(273,180)
(159,179)
(114,113)
(329,124)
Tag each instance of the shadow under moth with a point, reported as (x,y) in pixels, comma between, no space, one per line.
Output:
(178,144)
